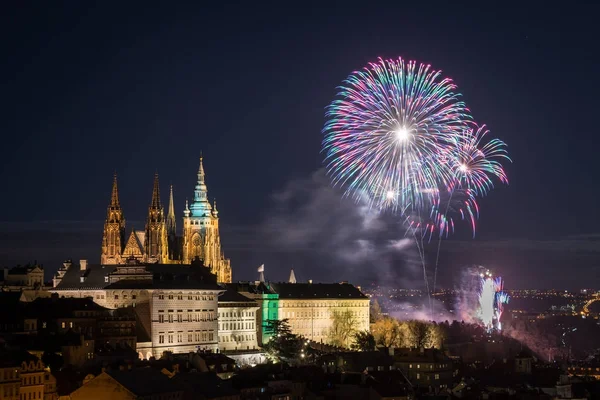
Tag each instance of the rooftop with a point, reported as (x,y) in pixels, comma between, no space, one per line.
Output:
(164,276)
(317,291)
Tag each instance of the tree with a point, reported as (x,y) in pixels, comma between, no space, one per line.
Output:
(386,332)
(375,313)
(342,328)
(363,341)
(419,333)
(283,345)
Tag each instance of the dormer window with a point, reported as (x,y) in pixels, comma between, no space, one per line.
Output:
(106,279)
(82,279)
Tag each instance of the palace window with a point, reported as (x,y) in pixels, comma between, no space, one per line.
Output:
(179,317)
(161,296)
(170,317)
(437,376)
(161,338)
(170,338)
(180,297)
(170,297)
(189,336)
(161,318)
(179,338)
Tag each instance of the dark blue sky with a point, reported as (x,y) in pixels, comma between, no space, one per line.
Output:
(87,90)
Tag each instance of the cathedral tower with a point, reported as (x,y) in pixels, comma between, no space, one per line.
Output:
(201,232)
(113,238)
(155,237)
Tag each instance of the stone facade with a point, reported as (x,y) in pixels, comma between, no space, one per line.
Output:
(184,321)
(237,322)
(175,306)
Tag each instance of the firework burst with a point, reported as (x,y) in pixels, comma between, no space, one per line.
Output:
(386,132)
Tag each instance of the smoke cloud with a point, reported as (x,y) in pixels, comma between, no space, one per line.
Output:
(344,239)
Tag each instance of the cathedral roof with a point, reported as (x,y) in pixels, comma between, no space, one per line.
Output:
(164,276)
(340,291)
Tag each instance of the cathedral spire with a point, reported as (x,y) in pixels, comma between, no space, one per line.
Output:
(200,205)
(114,198)
(171,226)
(155,194)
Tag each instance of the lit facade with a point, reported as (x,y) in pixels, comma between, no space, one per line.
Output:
(175,305)
(310,308)
(237,322)
(159,242)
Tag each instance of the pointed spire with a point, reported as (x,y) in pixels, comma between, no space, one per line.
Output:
(215,211)
(171,225)
(186,212)
(114,198)
(155,193)
(200,206)
(292,276)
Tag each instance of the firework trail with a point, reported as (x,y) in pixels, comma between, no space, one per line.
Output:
(399,136)
(475,162)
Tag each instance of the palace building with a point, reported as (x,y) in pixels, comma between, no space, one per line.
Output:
(175,306)
(159,241)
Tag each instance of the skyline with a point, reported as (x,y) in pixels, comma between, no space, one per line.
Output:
(248,87)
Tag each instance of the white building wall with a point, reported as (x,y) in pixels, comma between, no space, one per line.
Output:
(184,321)
(237,327)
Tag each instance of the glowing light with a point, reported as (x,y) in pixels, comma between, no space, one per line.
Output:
(463,168)
(402,134)
(390,195)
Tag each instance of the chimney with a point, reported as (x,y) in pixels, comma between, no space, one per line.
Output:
(67,264)
(83,264)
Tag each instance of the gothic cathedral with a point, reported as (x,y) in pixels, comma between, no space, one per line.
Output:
(159,242)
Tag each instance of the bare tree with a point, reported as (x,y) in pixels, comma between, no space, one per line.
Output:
(342,328)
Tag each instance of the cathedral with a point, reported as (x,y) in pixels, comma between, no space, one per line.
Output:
(159,242)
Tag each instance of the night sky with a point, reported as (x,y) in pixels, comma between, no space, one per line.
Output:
(138,89)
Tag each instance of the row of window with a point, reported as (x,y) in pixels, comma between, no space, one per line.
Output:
(236,314)
(430,366)
(436,376)
(189,297)
(364,303)
(235,338)
(319,314)
(236,325)
(125,297)
(191,337)
(195,316)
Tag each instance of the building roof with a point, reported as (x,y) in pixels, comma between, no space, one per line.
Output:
(206,383)
(54,307)
(144,381)
(164,276)
(13,358)
(317,291)
(420,355)
(23,270)
(231,296)
(251,287)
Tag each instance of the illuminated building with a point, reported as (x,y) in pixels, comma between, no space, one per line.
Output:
(310,307)
(237,322)
(175,305)
(159,242)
